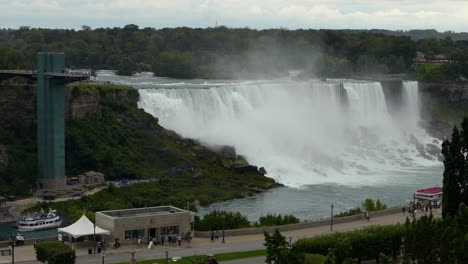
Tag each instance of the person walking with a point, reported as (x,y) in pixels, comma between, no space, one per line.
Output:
(151,243)
(179,239)
(366,214)
(212,236)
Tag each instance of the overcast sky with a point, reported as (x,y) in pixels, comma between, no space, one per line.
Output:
(260,14)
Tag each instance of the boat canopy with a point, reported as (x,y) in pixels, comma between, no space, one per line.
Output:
(82,227)
(433,193)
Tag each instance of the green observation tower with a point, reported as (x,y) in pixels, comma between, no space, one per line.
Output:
(51,120)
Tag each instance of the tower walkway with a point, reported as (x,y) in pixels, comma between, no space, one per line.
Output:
(69,77)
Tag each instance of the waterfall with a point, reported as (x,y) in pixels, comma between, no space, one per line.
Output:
(301,132)
(410,96)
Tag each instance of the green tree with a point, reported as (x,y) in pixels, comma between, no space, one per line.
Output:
(175,64)
(126,66)
(368,205)
(455,182)
(273,219)
(277,248)
(425,229)
(216,219)
(55,252)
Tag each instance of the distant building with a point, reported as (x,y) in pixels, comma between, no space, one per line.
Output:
(130,224)
(91,178)
(437,59)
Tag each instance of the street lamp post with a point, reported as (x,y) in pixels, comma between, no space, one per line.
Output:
(132,260)
(331,218)
(224,218)
(13,242)
(103,254)
(94,235)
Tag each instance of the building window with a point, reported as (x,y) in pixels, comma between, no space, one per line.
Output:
(169,230)
(134,234)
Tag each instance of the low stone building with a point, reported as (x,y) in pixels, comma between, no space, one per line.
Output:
(130,224)
(91,178)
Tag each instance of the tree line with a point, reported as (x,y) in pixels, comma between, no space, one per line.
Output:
(223,52)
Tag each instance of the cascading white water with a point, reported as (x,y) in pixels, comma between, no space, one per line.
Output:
(410,96)
(301,132)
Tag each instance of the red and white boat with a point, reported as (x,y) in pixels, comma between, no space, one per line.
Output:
(431,194)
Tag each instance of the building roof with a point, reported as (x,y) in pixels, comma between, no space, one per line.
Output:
(83,227)
(432,190)
(141,212)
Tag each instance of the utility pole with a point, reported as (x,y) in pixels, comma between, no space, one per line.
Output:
(103,254)
(133,260)
(224,219)
(94,236)
(13,242)
(331,218)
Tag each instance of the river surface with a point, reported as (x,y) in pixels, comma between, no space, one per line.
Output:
(10,228)
(313,202)
(334,141)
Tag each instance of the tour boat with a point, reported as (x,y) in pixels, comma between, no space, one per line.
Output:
(39,222)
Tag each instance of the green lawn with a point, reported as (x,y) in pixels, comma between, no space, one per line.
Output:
(200,258)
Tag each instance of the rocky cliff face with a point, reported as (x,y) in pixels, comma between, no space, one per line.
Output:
(443,105)
(455,92)
(80,103)
(17,103)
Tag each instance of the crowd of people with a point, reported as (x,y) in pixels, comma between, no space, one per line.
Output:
(423,206)
(168,240)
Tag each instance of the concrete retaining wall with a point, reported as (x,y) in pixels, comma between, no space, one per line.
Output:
(29,241)
(259,230)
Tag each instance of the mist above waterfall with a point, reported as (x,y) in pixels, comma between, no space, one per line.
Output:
(302,132)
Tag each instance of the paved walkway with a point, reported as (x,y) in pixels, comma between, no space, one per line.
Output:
(201,246)
(16,207)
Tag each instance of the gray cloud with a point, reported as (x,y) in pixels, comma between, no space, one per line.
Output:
(337,14)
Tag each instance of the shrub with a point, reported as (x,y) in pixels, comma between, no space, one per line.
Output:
(313,259)
(274,220)
(216,219)
(55,252)
(352,211)
(366,243)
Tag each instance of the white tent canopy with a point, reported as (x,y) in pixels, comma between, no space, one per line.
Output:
(83,227)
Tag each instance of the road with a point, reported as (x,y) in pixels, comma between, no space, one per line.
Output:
(205,246)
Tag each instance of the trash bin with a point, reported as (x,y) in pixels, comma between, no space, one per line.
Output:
(99,250)
(90,251)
